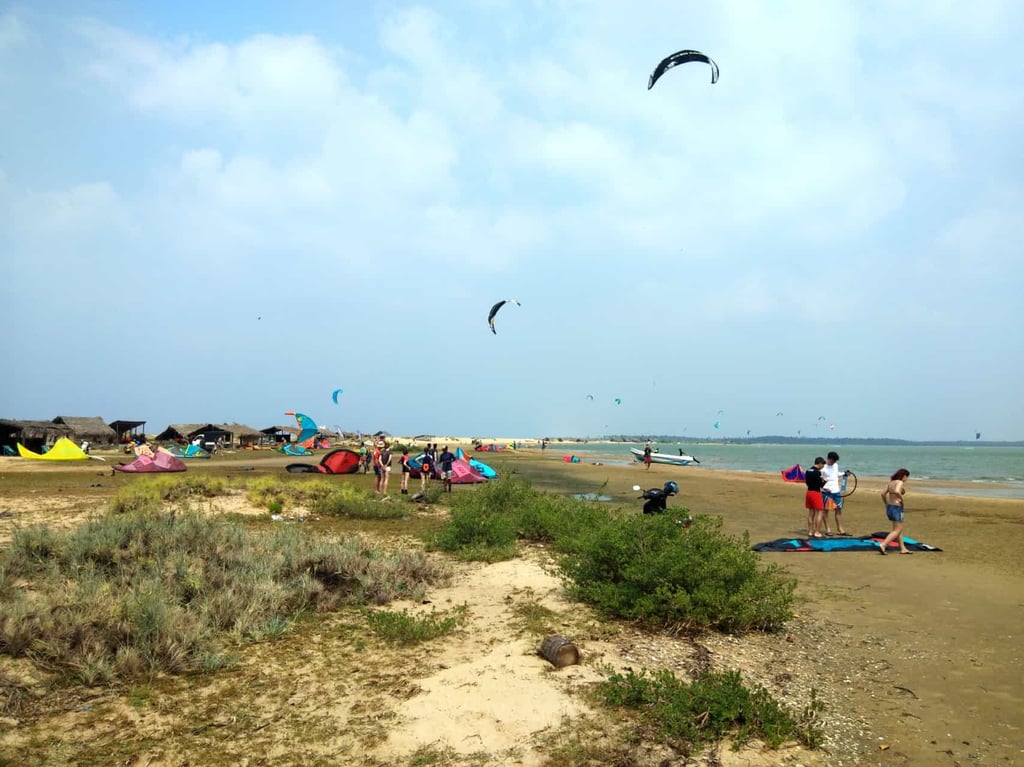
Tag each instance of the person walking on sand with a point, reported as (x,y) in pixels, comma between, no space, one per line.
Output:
(447,458)
(831,491)
(404,460)
(892,497)
(813,501)
(647,456)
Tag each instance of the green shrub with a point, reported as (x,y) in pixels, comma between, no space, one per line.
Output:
(658,571)
(486,523)
(134,594)
(149,493)
(402,628)
(709,708)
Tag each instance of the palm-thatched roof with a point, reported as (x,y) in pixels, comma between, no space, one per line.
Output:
(93,428)
(22,430)
(183,430)
(240,429)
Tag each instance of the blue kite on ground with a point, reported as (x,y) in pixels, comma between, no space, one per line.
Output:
(858,543)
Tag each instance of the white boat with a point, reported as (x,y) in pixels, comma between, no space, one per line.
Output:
(675,460)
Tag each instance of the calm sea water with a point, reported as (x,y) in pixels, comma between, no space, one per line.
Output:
(993,471)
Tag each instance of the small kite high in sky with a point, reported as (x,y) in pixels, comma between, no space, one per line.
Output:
(494,311)
(682,57)
(334,395)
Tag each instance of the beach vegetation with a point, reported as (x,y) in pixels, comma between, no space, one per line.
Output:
(486,524)
(149,493)
(664,570)
(713,706)
(132,594)
(405,629)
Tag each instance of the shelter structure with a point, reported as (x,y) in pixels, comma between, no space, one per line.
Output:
(34,435)
(274,436)
(230,434)
(242,436)
(93,430)
(125,431)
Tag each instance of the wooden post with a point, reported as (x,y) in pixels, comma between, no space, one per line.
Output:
(560,651)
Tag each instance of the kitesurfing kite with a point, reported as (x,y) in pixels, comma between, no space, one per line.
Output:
(682,57)
(494,311)
(590,396)
(334,395)
(618,400)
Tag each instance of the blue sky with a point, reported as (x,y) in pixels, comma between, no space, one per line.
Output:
(222,213)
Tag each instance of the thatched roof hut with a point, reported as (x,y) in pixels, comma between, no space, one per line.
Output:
(94,429)
(32,434)
(185,431)
(241,435)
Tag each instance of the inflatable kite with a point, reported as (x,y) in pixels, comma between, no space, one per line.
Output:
(63,450)
(161,461)
(339,461)
(682,57)
(861,543)
(494,312)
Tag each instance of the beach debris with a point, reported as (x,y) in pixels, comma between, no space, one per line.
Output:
(559,651)
(494,312)
(682,57)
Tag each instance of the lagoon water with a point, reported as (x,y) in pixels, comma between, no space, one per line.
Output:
(994,471)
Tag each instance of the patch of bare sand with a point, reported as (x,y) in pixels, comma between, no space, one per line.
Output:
(491,692)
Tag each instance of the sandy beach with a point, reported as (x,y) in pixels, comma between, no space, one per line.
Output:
(917,658)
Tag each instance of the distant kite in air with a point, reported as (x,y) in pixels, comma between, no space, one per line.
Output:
(334,395)
(494,311)
(590,396)
(618,400)
(681,57)
(778,414)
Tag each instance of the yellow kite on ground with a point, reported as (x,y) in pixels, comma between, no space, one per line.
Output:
(63,450)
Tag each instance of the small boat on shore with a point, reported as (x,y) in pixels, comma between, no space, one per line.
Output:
(675,460)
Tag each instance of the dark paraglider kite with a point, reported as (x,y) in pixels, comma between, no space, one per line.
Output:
(682,57)
(494,311)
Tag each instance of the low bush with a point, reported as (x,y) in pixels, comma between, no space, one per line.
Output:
(486,523)
(134,594)
(404,629)
(659,571)
(149,493)
(654,569)
(708,709)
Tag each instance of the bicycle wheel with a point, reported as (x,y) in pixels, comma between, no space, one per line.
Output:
(849,484)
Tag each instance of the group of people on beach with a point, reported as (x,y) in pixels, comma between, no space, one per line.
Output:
(381,456)
(824,481)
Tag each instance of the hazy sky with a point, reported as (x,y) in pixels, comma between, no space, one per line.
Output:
(222,211)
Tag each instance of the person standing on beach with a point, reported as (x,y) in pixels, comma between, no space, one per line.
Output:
(831,491)
(447,458)
(378,467)
(647,456)
(385,466)
(426,466)
(404,460)
(892,497)
(813,500)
